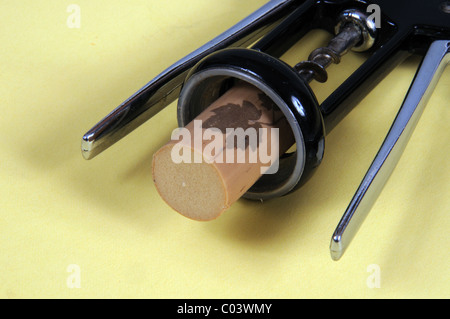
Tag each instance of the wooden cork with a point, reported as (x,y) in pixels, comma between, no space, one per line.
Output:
(216,158)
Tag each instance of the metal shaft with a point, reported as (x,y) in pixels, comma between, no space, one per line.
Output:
(321,58)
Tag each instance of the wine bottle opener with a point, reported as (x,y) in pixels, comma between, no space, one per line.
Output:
(250,51)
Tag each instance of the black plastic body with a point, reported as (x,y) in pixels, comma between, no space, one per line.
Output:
(407,27)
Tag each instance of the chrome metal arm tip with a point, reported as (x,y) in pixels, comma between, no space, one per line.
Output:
(165,88)
(336,249)
(86,147)
(392,148)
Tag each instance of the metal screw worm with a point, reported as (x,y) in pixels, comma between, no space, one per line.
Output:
(354,31)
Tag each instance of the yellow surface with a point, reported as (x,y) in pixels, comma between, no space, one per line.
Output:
(105,216)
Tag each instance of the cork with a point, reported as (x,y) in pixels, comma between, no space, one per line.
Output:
(209,164)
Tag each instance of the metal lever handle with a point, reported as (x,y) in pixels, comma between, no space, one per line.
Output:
(392,148)
(165,88)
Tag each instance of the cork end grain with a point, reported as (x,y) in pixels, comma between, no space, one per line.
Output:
(195,190)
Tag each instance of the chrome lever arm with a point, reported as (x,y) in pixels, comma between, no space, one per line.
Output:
(165,88)
(393,146)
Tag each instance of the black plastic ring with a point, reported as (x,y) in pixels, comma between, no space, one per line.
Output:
(212,76)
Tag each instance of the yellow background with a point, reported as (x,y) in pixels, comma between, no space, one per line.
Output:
(105,215)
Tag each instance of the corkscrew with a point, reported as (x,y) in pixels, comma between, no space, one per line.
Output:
(387,31)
